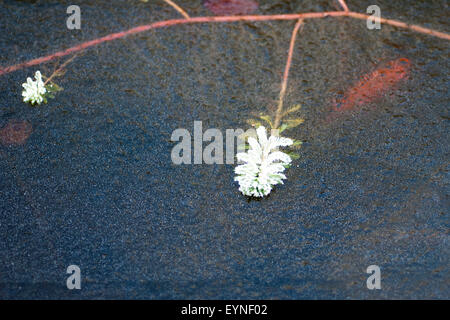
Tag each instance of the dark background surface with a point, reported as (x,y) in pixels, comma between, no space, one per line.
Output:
(94,184)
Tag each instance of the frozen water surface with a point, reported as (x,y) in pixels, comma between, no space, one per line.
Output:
(94,185)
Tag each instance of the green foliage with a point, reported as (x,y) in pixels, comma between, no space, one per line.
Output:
(52,88)
(285,125)
(293,155)
(297,144)
(292,123)
(268,119)
(292,109)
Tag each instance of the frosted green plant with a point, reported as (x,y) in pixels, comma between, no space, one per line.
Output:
(34,90)
(263,165)
(37,91)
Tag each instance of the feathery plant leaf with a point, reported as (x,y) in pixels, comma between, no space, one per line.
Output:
(283,127)
(293,109)
(297,144)
(268,119)
(293,155)
(53,88)
(292,123)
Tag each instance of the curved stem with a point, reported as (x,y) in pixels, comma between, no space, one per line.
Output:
(168,23)
(401,24)
(55,73)
(343,5)
(178,8)
(278,114)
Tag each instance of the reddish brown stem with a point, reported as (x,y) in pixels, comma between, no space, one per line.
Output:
(57,71)
(168,23)
(286,74)
(403,25)
(178,8)
(343,5)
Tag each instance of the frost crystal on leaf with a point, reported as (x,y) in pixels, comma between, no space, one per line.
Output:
(263,165)
(34,90)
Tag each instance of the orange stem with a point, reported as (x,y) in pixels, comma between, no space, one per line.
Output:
(55,73)
(286,74)
(178,8)
(403,25)
(343,5)
(168,23)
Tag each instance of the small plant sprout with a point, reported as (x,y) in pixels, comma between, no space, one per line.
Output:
(37,91)
(34,91)
(287,124)
(263,165)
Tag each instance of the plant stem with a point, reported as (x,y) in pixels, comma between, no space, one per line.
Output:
(168,23)
(55,73)
(278,114)
(343,5)
(178,8)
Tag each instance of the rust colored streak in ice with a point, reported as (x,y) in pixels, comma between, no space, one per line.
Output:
(231,7)
(16,132)
(374,85)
